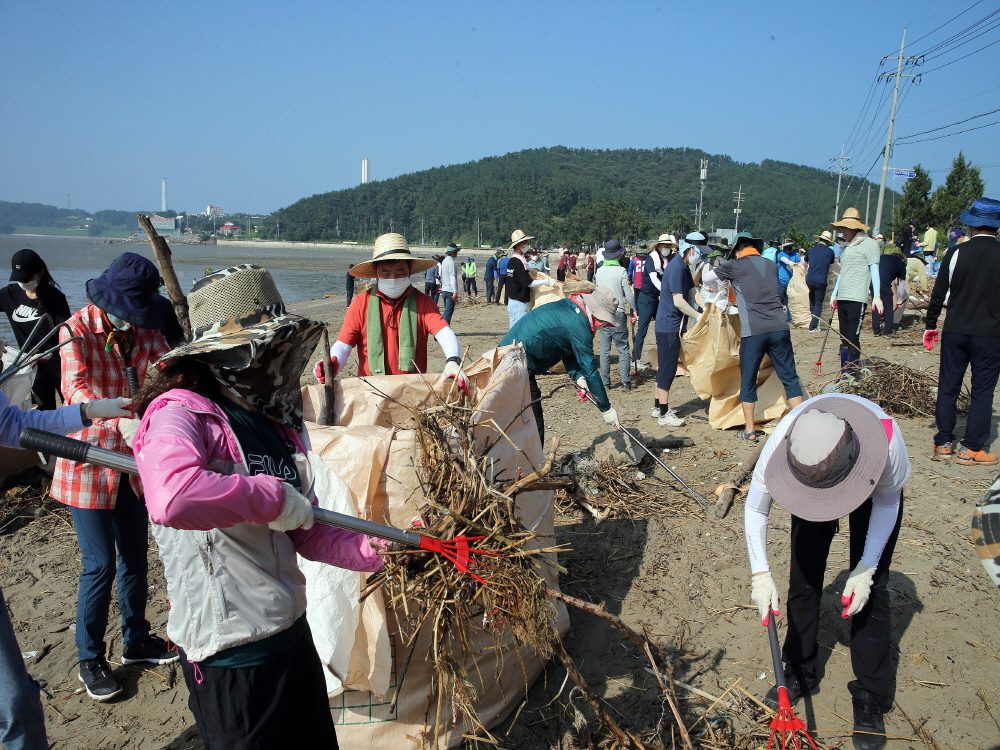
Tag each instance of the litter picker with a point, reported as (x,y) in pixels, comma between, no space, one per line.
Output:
(457,550)
(698,498)
(818,367)
(785,721)
(39,351)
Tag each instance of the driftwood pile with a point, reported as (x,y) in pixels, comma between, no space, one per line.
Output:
(900,390)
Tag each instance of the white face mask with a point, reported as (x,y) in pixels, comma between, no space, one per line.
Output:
(393,288)
(28,286)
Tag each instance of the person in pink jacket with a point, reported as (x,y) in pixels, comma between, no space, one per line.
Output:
(228,486)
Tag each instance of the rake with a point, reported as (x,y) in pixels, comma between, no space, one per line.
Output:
(818,367)
(458,551)
(785,723)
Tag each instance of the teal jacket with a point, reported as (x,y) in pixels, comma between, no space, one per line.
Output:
(559,331)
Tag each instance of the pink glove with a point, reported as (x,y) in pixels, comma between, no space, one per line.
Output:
(582,394)
(930,338)
(318,370)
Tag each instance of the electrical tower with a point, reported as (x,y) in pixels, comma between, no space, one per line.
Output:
(738,197)
(701,197)
(892,122)
(840,176)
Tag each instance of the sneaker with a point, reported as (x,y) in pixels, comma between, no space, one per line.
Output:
(943,452)
(795,691)
(670,419)
(968,457)
(869,727)
(97,677)
(154,651)
(655,413)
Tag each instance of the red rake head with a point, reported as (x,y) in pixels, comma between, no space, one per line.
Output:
(457,551)
(786,722)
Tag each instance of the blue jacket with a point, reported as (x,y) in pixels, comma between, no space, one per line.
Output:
(491,269)
(559,331)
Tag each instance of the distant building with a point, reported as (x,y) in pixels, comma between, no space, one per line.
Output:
(231,230)
(214,211)
(163,225)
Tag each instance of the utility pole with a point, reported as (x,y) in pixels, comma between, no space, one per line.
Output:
(740,196)
(701,196)
(696,215)
(840,176)
(479,232)
(421,231)
(868,203)
(892,122)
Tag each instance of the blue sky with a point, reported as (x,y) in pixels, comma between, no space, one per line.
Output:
(253,105)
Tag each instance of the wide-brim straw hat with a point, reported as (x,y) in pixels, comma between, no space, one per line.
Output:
(517,237)
(664,239)
(391,246)
(850,220)
(239,309)
(801,498)
(602,304)
(826,237)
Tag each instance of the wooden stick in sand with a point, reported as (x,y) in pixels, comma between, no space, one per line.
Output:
(328,380)
(728,494)
(162,252)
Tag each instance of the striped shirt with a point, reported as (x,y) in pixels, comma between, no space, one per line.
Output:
(855,276)
(89,373)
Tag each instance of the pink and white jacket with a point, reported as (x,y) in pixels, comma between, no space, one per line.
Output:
(231,579)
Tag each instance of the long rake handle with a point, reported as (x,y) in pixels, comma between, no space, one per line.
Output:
(772,634)
(83,452)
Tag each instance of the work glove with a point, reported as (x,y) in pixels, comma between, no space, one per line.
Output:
(108,408)
(878,306)
(765,595)
(127,428)
(930,338)
(454,370)
(859,586)
(318,370)
(297,512)
(833,303)
(581,388)
(611,418)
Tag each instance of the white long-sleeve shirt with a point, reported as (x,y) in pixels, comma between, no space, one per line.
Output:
(449,275)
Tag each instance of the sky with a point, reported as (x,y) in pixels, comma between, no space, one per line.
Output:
(251,106)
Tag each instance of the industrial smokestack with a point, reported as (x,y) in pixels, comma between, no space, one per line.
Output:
(364,171)
(164,201)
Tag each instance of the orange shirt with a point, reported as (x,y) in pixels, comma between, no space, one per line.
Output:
(354,331)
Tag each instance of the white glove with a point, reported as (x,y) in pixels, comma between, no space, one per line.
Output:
(857,590)
(454,370)
(581,383)
(108,408)
(127,428)
(878,306)
(611,417)
(765,595)
(297,512)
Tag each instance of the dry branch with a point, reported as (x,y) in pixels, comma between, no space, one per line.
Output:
(163,259)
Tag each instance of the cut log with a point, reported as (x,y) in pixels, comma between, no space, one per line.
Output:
(726,497)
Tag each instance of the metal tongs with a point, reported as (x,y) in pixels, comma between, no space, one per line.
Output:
(31,357)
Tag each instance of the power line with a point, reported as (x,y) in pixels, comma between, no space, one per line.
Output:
(947,106)
(948,21)
(964,35)
(943,127)
(948,135)
(959,59)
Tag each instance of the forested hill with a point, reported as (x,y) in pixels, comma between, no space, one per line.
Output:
(565,194)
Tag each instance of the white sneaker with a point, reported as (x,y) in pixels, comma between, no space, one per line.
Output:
(670,419)
(655,413)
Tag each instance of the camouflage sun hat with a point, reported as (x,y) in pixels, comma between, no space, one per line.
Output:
(239,309)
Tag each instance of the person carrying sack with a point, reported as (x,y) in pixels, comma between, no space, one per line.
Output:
(389,324)
(831,457)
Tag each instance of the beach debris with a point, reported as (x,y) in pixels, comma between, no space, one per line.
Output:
(901,391)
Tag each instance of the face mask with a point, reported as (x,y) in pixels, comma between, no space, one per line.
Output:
(393,288)
(121,325)
(28,286)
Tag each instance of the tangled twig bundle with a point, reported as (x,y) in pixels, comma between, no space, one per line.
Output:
(900,390)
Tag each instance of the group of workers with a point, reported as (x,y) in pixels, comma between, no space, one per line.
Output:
(220,448)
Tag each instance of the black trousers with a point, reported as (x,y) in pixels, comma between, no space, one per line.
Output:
(536,406)
(871,655)
(490,287)
(817,293)
(279,704)
(888,316)
(560,274)
(958,353)
(46,386)
(850,315)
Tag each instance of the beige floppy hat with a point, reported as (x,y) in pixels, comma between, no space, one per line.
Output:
(843,486)
(826,237)
(391,246)
(602,304)
(664,239)
(517,237)
(850,220)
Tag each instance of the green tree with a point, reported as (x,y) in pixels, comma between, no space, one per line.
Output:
(598,221)
(680,224)
(963,185)
(915,204)
(800,238)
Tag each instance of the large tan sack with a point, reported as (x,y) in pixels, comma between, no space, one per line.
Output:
(712,354)
(556,290)
(798,297)
(376,455)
